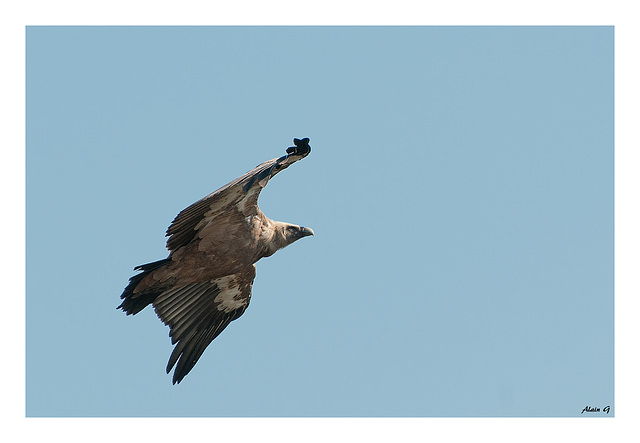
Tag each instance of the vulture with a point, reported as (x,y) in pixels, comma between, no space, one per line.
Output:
(205,282)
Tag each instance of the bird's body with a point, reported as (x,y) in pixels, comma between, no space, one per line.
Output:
(206,281)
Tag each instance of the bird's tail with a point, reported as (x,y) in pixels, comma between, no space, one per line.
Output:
(134,303)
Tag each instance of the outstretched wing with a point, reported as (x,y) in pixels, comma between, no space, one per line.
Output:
(241,195)
(199,312)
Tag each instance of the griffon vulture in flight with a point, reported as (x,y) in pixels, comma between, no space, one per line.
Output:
(205,283)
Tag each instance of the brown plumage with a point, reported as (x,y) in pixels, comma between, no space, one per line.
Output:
(205,283)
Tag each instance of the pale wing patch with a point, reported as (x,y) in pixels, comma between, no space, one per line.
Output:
(216,209)
(230,297)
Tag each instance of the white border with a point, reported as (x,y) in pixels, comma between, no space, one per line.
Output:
(621,14)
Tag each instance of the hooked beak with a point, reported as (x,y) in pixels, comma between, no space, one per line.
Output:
(305,232)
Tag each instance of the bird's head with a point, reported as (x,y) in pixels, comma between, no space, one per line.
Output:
(286,233)
(294,232)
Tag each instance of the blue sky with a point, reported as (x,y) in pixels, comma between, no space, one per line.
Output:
(460,188)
